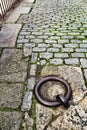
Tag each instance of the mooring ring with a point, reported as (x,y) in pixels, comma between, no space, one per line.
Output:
(62,99)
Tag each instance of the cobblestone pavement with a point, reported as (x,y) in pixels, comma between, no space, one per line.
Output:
(56,33)
(51,41)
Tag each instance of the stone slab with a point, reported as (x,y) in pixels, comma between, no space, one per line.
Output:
(12,67)
(75,117)
(10,95)
(8,34)
(10,120)
(15,14)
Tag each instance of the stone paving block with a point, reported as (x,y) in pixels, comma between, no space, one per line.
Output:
(46,55)
(27,101)
(83,62)
(12,67)
(56,61)
(10,95)
(34,57)
(27,51)
(57,45)
(63,41)
(8,34)
(29,45)
(39,49)
(37,40)
(77,54)
(81,50)
(71,45)
(85,73)
(67,50)
(50,41)
(84,41)
(83,45)
(53,49)
(61,55)
(33,70)
(14,15)
(72,61)
(10,120)
(31,83)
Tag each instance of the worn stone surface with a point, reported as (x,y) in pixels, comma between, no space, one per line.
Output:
(10,120)
(12,67)
(8,34)
(10,95)
(27,51)
(27,101)
(33,69)
(31,83)
(43,116)
(75,117)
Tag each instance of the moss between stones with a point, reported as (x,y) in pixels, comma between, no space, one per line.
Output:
(32,112)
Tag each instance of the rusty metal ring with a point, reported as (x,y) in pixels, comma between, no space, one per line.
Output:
(62,100)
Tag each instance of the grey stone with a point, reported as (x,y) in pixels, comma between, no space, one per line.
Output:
(53,49)
(10,95)
(33,70)
(67,50)
(85,41)
(43,45)
(39,49)
(12,67)
(83,45)
(83,62)
(71,45)
(34,57)
(31,83)
(57,45)
(56,61)
(76,41)
(71,61)
(29,45)
(22,40)
(61,55)
(37,40)
(85,73)
(10,120)
(46,55)
(63,41)
(29,121)
(42,62)
(50,41)
(27,101)
(78,55)
(27,51)
(19,45)
(8,35)
(43,37)
(81,50)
